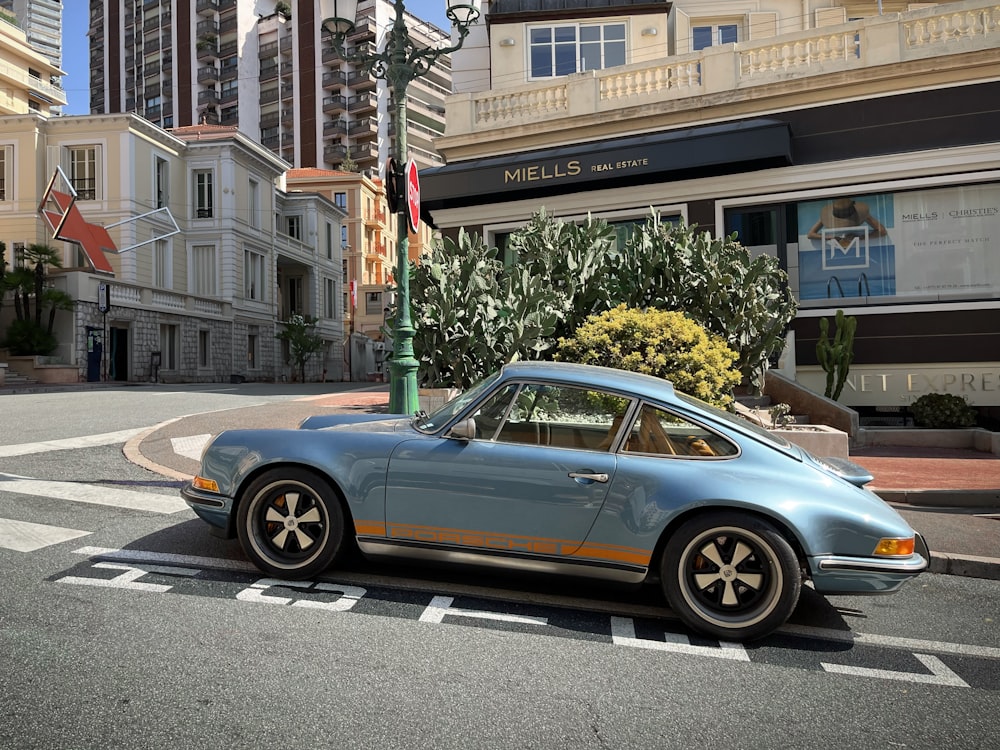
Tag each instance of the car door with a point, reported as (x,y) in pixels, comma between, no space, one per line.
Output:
(532,480)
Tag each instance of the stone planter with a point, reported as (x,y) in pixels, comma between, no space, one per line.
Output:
(818,439)
(432,399)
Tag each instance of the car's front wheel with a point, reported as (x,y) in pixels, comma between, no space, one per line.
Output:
(290,523)
(730,575)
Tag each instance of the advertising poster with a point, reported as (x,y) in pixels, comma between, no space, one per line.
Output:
(915,244)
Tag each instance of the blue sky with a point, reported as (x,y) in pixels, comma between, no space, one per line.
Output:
(76,56)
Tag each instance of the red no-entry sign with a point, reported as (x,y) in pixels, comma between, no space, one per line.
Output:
(412,195)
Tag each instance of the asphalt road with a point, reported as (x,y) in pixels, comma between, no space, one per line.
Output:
(143,631)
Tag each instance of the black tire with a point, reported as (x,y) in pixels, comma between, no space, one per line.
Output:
(731,576)
(290,523)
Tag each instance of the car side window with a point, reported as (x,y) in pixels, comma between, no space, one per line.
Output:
(563,417)
(661,433)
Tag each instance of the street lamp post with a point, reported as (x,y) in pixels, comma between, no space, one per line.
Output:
(399,62)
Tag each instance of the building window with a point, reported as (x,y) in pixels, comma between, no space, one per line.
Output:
(329,299)
(3,173)
(203,271)
(329,241)
(168,346)
(204,349)
(162,265)
(204,193)
(253,275)
(294,224)
(162,182)
(340,200)
(373,303)
(83,171)
(253,204)
(710,36)
(572,48)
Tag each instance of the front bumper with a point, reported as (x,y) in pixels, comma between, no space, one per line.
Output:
(835,574)
(214,510)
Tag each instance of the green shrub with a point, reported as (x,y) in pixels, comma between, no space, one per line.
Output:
(943,410)
(25,337)
(660,343)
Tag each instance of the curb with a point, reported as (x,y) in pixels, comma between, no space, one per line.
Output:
(942,498)
(965,565)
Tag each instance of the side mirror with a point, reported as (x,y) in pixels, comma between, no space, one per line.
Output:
(464,430)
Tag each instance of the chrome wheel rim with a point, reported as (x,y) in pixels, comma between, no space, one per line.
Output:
(288,524)
(730,577)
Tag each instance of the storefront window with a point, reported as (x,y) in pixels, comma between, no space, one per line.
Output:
(921,244)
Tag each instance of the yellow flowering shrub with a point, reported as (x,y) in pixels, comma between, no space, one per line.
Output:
(661,343)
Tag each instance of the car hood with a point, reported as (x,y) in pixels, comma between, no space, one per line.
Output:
(356,422)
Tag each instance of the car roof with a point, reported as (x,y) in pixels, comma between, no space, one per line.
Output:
(645,386)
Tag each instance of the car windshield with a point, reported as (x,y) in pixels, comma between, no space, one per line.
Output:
(744,424)
(441,417)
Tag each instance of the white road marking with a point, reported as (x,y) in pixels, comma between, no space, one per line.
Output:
(128,579)
(623,634)
(441,606)
(84,441)
(940,674)
(93,494)
(22,536)
(349,595)
(190,446)
(625,629)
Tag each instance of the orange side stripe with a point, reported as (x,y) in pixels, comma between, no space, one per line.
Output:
(593,551)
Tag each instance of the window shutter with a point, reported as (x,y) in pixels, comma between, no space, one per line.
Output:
(682,32)
(830,17)
(762,25)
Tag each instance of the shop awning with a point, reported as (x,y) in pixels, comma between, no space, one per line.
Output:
(711,150)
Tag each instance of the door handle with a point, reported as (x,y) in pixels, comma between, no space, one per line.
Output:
(593,477)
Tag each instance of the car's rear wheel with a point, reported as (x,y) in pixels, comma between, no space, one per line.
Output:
(730,575)
(290,523)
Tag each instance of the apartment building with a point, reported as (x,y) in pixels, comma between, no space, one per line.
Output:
(29,80)
(42,24)
(859,143)
(267,68)
(368,240)
(197,295)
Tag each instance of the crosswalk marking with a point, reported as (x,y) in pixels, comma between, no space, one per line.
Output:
(190,446)
(93,494)
(22,536)
(84,441)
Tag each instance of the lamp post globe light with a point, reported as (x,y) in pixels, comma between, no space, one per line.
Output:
(398,62)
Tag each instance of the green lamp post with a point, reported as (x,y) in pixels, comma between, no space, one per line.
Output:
(398,62)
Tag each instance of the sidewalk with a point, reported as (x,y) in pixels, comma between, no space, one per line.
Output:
(950,496)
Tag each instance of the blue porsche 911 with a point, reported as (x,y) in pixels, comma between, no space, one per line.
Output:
(568,470)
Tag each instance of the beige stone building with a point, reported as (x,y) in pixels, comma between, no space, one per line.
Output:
(29,82)
(859,147)
(368,238)
(202,291)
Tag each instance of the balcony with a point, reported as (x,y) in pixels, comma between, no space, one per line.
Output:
(208,75)
(360,80)
(287,91)
(286,45)
(364,31)
(334,79)
(268,95)
(208,97)
(334,128)
(334,154)
(806,67)
(288,116)
(330,54)
(207,7)
(207,28)
(269,120)
(267,72)
(364,129)
(363,103)
(333,104)
(375,219)
(268,50)
(207,50)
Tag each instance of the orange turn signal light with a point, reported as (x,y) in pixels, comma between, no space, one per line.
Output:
(208,485)
(895,547)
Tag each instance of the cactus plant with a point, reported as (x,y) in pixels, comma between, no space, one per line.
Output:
(836,356)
